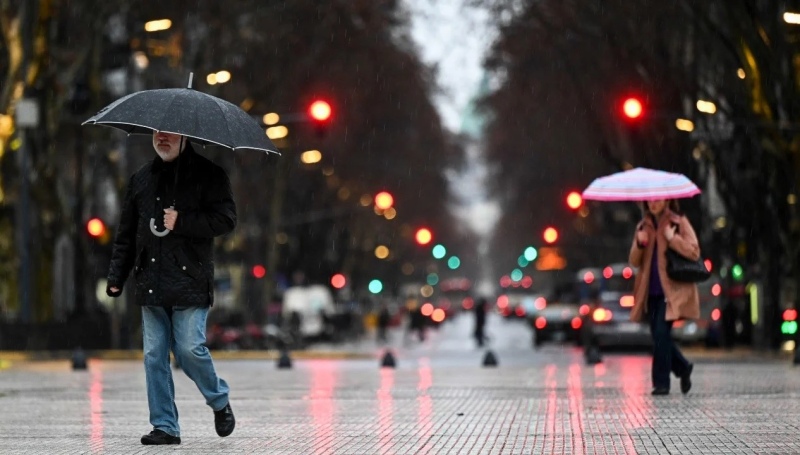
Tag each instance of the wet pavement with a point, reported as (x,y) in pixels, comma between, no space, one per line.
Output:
(439,399)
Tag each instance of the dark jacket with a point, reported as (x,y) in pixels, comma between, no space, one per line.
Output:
(178,269)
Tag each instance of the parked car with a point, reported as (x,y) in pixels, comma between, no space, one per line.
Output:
(557,322)
(609,320)
(708,328)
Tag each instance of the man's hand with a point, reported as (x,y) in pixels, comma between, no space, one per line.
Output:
(170,217)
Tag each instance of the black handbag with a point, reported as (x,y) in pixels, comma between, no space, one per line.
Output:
(681,269)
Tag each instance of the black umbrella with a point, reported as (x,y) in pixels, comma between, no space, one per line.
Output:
(204,118)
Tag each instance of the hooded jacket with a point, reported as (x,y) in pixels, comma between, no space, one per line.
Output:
(683,301)
(177,269)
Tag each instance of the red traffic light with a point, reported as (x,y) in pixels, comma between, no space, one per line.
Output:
(423,236)
(338,281)
(574,200)
(632,108)
(320,111)
(259,271)
(384,200)
(96,227)
(550,235)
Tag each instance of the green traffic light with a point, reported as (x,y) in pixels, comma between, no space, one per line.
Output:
(375,286)
(516,275)
(433,279)
(737,272)
(454,262)
(523,261)
(439,251)
(789,327)
(531,254)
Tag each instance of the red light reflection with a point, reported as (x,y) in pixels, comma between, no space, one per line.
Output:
(323,383)
(385,411)
(96,407)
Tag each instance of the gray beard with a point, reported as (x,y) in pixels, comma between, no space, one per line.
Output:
(163,156)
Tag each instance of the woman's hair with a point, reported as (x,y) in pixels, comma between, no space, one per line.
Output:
(672,205)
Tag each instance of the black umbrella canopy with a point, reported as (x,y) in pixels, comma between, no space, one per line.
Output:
(204,118)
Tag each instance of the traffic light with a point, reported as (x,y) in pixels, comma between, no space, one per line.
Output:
(98,231)
(632,108)
(574,200)
(259,271)
(737,272)
(423,236)
(384,200)
(550,235)
(320,113)
(338,281)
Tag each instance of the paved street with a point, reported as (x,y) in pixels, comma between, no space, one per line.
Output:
(439,399)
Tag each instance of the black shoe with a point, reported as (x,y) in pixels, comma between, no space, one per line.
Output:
(158,438)
(686,379)
(224,421)
(660,391)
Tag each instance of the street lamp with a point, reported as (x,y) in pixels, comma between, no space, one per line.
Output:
(791,18)
(157,25)
(706,107)
(684,125)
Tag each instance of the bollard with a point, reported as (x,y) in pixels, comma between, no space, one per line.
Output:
(78,359)
(592,354)
(489,360)
(388,360)
(284,361)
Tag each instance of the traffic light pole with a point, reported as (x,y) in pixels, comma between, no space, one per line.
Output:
(275,216)
(78,214)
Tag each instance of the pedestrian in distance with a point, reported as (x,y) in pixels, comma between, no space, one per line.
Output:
(384,318)
(174,206)
(480,321)
(656,296)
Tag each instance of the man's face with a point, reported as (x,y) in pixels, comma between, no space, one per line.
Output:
(167,145)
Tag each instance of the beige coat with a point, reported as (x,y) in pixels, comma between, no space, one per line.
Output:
(683,301)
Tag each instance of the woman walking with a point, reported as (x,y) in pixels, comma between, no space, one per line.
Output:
(658,298)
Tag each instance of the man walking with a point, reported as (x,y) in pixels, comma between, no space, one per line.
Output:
(174,207)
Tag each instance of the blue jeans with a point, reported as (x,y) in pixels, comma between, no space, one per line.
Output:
(182,329)
(666,355)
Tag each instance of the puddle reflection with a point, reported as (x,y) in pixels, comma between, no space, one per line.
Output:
(324,376)
(96,409)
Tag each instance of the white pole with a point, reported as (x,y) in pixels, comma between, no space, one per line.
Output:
(191,76)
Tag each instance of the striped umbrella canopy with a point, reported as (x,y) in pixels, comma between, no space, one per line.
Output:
(640,184)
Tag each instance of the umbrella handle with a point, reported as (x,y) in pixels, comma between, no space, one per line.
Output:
(155,230)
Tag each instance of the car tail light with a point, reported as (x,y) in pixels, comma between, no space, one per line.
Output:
(540,303)
(678,324)
(520,311)
(602,315)
(541,322)
(576,323)
(584,310)
(626,301)
(716,314)
(502,301)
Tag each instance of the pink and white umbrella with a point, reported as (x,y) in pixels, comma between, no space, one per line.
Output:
(640,184)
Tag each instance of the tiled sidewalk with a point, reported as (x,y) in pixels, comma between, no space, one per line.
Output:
(435,401)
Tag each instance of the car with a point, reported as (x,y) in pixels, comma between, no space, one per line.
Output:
(519,305)
(708,328)
(557,322)
(610,325)
(608,320)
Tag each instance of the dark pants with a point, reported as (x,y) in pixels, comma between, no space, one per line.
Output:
(666,355)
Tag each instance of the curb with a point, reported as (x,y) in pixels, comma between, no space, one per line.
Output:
(118,354)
